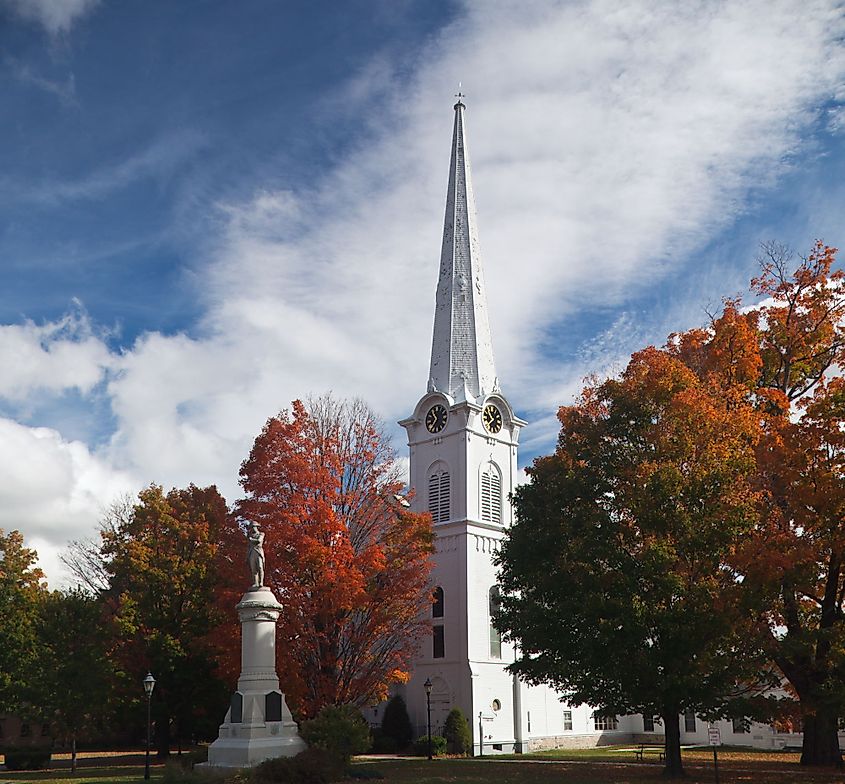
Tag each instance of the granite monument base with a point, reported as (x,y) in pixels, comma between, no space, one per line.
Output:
(258,724)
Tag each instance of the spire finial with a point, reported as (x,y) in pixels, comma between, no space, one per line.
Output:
(460,96)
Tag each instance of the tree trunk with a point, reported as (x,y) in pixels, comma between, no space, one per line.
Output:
(162,737)
(672,752)
(821,740)
(73,753)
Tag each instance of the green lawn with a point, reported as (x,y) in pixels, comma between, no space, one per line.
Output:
(589,766)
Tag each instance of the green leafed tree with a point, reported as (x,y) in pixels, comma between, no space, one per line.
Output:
(615,580)
(73,676)
(22,588)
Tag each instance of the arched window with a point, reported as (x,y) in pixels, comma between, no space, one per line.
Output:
(437,604)
(494,602)
(439,643)
(491,494)
(438,493)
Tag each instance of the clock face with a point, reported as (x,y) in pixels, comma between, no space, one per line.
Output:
(435,419)
(492,418)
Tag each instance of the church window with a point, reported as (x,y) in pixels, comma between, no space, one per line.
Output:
(741,725)
(496,705)
(439,651)
(689,721)
(494,602)
(648,723)
(491,494)
(605,722)
(529,721)
(438,495)
(437,604)
(567,721)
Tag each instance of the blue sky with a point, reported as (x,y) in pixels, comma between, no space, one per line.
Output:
(208,209)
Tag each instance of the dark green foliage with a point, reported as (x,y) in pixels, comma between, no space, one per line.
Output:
(312,766)
(364,773)
(438,746)
(383,744)
(27,759)
(456,731)
(72,677)
(614,577)
(396,723)
(340,729)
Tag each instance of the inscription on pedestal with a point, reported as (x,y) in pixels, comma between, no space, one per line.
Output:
(237,712)
(273,706)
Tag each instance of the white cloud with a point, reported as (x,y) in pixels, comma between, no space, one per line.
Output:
(51,357)
(56,16)
(606,139)
(53,490)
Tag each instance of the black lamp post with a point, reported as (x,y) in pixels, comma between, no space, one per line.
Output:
(427,687)
(149,685)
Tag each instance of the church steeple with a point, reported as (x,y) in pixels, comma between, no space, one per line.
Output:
(461,351)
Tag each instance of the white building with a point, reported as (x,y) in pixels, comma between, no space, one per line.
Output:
(463,436)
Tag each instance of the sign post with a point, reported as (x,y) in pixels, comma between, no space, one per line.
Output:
(714,738)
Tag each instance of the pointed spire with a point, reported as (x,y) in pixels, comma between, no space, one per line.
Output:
(461,351)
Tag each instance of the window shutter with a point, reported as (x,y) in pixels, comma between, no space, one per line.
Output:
(438,496)
(491,496)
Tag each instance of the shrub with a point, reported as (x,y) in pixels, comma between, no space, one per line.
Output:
(396,723)
(384,744)
(272,771)
(312,766)
(456,731)
(27,759)
(177,772)
(438,746)
(340,729)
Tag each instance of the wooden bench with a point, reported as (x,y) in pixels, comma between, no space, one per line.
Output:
(641,751)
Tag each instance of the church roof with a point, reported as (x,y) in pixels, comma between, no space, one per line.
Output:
(461,351)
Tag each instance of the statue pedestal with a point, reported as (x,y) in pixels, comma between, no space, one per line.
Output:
(258,724)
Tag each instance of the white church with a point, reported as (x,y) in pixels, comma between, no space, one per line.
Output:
(463,436)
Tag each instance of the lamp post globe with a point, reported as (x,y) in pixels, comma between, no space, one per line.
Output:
(427,687)
(149,685)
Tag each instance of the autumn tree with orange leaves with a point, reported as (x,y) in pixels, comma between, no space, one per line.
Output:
(787,354)
(797,559)
(346,558)
(157,559)
(718,484)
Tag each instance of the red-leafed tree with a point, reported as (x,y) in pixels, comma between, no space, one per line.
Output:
(347,559)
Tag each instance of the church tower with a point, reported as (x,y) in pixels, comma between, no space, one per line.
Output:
(463,437)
